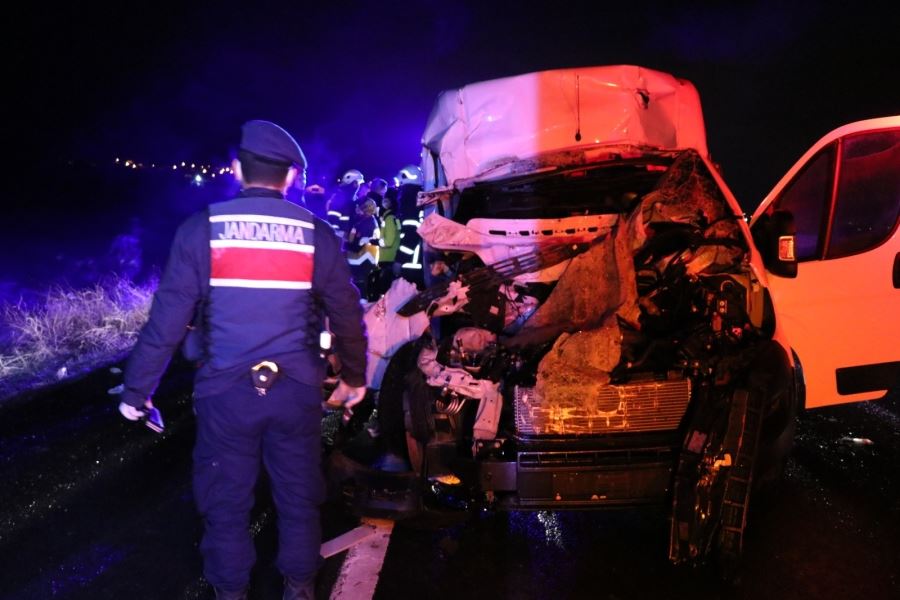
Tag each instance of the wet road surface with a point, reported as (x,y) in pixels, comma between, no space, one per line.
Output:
(94,507)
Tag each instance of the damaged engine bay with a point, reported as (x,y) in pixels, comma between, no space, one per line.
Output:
(589,337)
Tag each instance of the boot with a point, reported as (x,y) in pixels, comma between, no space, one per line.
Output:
(299,590)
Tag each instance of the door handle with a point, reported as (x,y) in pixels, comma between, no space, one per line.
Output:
(897,271)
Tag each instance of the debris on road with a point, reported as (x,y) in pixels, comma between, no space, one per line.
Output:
(346,540)
(856,441)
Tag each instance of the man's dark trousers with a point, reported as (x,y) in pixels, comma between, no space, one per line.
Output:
(236,431)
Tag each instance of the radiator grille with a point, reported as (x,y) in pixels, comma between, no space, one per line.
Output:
(632,407)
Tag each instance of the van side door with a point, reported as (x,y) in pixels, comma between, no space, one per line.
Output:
(841,312)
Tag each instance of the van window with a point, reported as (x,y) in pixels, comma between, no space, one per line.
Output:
(806,197)
(868,198)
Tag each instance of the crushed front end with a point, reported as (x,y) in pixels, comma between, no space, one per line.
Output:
(592,335)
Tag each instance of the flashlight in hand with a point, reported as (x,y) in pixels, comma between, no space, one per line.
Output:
(153,419)
(148,413)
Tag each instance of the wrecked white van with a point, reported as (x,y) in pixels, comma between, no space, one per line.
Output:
(596,329)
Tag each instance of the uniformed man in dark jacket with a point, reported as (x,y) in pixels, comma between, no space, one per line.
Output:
(259,274)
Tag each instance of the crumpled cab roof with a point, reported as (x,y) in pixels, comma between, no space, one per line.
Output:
(481,125)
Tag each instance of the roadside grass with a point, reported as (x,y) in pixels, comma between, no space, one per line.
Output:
(70,332)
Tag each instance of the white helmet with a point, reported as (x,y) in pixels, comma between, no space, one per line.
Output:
(410,174)
(352,176)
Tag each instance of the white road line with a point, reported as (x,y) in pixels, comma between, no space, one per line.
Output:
(359,573)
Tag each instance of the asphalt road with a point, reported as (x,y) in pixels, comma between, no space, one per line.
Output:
(94,507)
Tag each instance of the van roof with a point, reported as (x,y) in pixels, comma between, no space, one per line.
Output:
(479,125)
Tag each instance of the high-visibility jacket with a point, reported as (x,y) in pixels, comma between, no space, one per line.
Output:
(411,244)
(390,237)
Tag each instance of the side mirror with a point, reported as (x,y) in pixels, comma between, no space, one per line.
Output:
(774,237)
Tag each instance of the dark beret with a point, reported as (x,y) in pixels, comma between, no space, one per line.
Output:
(271,143)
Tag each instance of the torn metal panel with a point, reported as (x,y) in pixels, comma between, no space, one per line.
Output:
(387,331)
(476,127)
(492,275)
(453,379)
(436,196)
(487,418)
(454,300)
(494,240)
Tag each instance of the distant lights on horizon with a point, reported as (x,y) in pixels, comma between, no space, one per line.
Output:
(198,170)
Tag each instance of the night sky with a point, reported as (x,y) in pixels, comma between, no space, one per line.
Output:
(355,81)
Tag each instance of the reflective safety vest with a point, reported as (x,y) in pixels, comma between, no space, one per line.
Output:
(339,222)
(340,210)
(367,254)
(411,243)
(363,247)
(390,236)
(261,268)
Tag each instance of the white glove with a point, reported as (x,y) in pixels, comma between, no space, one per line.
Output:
(346,396)
(132,413)
(129,412)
